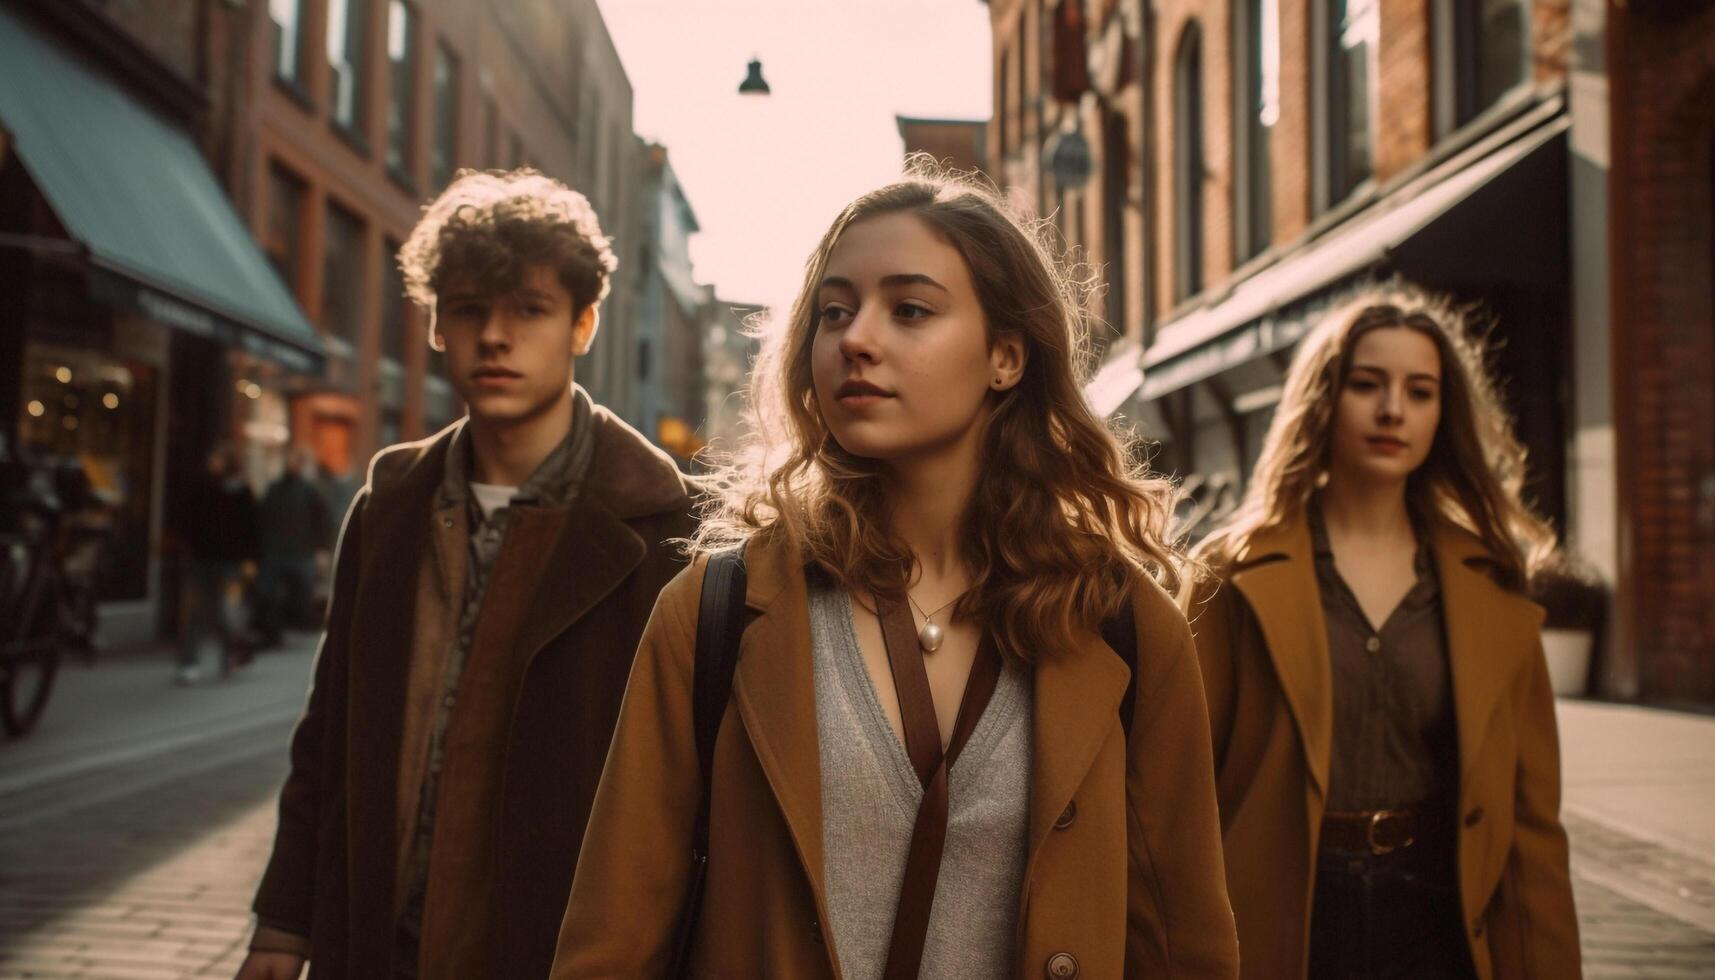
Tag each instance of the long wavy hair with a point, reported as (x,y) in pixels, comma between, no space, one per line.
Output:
(1062,521)
(1475,471)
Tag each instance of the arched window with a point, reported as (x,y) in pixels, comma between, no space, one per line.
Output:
(1188,165)
(1345,84)
(1482,53)
(1256,108)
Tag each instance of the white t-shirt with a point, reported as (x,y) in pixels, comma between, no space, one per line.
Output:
(491,497)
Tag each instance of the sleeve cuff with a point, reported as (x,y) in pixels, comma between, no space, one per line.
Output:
(273,939)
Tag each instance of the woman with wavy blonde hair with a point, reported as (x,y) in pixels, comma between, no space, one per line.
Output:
(1384,733)
(933,762)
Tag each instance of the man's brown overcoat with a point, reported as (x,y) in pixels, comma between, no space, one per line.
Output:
(335,871)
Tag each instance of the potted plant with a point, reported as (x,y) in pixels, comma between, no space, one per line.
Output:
(1576,602)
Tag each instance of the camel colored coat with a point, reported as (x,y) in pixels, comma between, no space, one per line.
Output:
(1271,711)
(1123,874)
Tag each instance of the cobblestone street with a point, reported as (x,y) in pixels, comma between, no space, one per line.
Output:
(134,824)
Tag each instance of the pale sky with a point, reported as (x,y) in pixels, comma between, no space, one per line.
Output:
(767,174)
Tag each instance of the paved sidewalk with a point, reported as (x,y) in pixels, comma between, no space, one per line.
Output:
(139,819)
(138,816)
(1639,799)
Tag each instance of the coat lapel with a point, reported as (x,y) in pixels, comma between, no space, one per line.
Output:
(774,688)
(1077,694)
(1277,577)
(592,555)
(380,658)
(1489,630)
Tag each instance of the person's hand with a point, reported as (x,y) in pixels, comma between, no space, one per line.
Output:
(263,965)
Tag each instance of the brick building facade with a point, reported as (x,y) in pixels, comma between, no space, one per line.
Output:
(354,112)
(1661,65)
(1234,168)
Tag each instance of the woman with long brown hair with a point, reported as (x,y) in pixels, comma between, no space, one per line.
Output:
(1385,746)
(933,763)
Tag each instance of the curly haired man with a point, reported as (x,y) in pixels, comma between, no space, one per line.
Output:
(490,588)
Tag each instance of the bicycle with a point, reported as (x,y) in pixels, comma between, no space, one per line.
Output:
(48,561)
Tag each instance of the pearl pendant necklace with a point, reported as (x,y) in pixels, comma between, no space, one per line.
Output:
(931,635)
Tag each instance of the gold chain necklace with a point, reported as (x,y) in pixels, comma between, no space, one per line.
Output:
(931,635)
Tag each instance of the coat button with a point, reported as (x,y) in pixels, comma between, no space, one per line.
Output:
(1067,816)
(1062,966)
(1475,817)
(446,522)
(1373,644)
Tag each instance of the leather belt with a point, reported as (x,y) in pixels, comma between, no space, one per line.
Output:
(1375,832)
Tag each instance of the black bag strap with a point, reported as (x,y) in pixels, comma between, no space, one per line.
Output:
(720,626)
(1120,632)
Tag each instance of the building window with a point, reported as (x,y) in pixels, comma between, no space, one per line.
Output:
(1256,108)
(1351,29)
(284,240)
(392,303)
(443,152)
(286,20)
(491,131)
(1482,53)
(346,21)
(643,359)
(402,104)
(516,153)
(342,276)
(1114,171)
(1188,165)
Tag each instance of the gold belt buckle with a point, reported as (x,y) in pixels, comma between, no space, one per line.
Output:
(1376,847)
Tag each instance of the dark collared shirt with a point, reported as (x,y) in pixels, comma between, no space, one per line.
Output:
(1394,739)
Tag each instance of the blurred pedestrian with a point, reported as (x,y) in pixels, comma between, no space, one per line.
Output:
(490,587)
(1384,729)
(220,528)
(295,527)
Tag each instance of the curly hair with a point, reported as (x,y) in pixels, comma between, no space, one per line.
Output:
(1474,475)
(1061,524)
(492,225)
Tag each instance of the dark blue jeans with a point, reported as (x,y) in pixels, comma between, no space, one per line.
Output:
(1388,917)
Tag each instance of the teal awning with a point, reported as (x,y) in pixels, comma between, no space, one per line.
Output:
(134,191)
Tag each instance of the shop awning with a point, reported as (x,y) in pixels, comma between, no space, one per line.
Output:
(1245,323)
(133,190)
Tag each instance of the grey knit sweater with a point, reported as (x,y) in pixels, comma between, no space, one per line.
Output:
(870,796)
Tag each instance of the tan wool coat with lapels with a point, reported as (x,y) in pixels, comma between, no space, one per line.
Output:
(1123,875)
(1272,718)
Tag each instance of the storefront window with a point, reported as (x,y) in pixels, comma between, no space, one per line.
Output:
(98,412)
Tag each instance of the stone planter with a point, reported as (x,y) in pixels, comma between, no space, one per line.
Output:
(1568,652)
